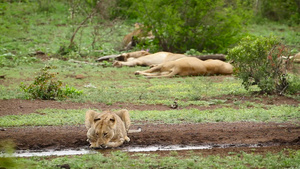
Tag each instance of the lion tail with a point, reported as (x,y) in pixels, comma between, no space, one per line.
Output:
(138,130)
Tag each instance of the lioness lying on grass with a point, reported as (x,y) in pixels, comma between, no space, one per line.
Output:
(107,129)
(150,60)
(188,66)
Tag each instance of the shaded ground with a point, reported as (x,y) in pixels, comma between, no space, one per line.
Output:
(276,136)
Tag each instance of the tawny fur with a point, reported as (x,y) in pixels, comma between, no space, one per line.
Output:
(107,129)
(296,58)
(150,60)
(138,32)
(136,54)
(188,66)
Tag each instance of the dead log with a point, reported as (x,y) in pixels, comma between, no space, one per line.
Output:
(213,56)
(109,57)
(83,62)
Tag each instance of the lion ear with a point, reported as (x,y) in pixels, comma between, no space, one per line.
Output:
(96,119)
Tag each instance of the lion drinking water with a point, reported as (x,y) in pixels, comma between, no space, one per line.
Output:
(108,129)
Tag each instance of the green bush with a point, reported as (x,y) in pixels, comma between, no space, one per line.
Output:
(293,84)
(257,61)
(201,25)
(280,10)
(45,87)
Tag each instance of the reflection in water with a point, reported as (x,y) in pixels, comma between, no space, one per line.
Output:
(31,153)
(52,153)
(166,148)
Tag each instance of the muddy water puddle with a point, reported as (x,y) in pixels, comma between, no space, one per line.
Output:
(81,151)
(31,153)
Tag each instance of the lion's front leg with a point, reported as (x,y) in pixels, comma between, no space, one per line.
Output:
(116,143)
(154,71)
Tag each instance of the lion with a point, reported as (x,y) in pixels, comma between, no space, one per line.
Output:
(130,39)
(296,58)
(108,129)
(123,56)
(150,60)
(136,54)
(188,66)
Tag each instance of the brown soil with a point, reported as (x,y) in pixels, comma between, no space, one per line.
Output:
(272,137)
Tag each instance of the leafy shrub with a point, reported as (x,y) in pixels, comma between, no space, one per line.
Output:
(46,88)
(258,62)
(192,52)
(293,84)
(201,25)
(64,49)
(280,10)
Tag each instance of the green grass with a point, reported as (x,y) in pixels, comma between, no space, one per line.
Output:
(47,117)
(273,113)
(25,29)
(122,84)
(118,159)
(288,35)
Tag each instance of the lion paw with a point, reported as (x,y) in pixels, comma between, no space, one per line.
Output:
(103,146)
(127,139)
(117,64)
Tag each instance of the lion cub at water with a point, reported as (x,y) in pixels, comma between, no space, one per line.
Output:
(107,129)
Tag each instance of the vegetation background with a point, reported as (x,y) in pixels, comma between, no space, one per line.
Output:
(36,35)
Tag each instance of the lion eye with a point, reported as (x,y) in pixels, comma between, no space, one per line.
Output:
(104,134)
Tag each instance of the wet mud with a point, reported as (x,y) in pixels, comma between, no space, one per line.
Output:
(220,137)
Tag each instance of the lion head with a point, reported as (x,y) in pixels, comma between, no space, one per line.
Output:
(136,54)
(103,130)
(107,129)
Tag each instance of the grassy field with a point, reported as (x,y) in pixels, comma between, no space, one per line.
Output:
(123,160)
(24,30)
(48,117)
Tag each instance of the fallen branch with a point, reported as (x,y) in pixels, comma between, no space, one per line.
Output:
(108,57)
(83,62)
(213,56)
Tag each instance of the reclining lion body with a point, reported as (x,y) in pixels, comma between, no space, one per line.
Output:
(217,67)
(149,60)
(107,129)
(136,54)
(296,58)
(188,66)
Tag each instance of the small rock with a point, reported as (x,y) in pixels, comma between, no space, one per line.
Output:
(79,76)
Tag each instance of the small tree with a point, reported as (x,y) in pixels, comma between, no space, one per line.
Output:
(45,87)
(258,61)
(202,25)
